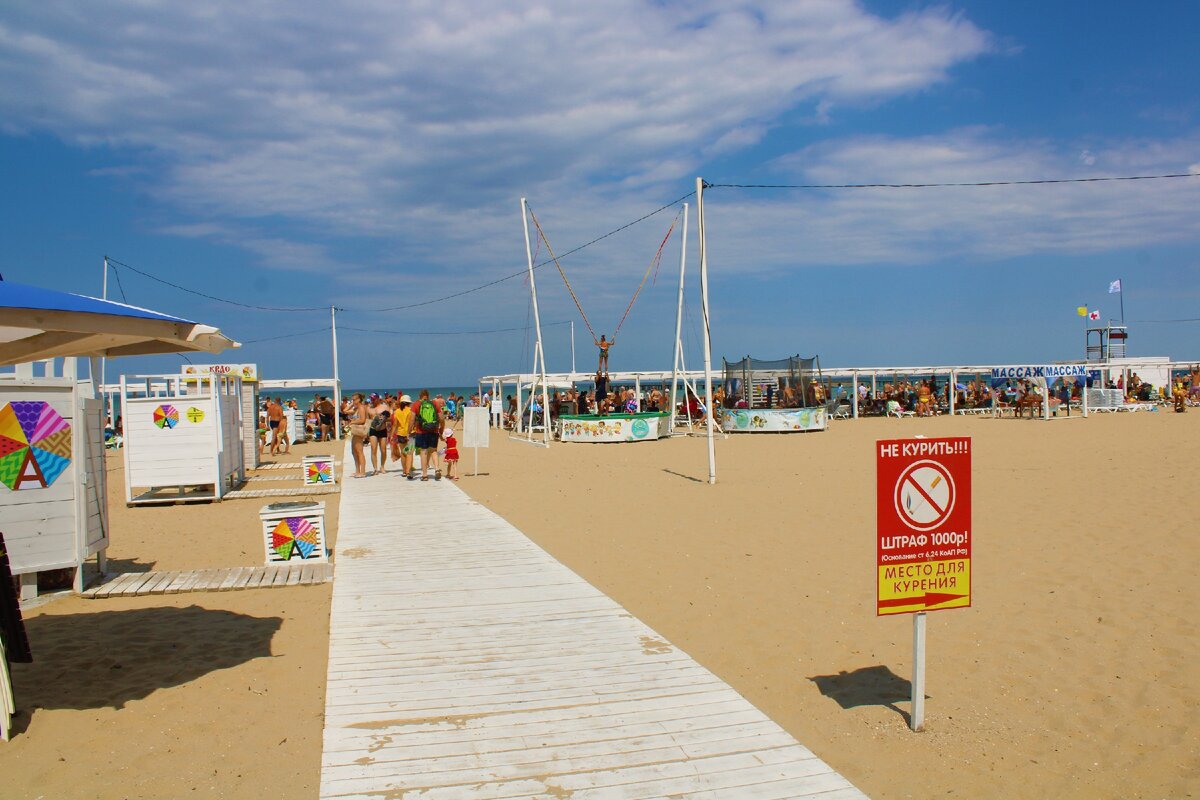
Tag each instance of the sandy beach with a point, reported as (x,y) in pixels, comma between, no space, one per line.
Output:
(1074,675)
(199,694)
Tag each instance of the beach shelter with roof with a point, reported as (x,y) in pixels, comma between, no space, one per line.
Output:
(37,324)
(53,498)
(53,501)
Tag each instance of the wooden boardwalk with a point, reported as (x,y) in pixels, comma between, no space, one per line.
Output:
(132,584)
(269,465)
(465,662)
(296,491)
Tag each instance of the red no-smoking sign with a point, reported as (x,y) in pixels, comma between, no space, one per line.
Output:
(924,524)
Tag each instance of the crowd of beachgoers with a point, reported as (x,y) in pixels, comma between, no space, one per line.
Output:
(931,396)
(389,417)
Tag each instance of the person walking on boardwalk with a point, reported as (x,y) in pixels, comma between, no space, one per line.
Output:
(451,455)
(402,422)
(604,348)
(357,412)
(427,424)
(379,417)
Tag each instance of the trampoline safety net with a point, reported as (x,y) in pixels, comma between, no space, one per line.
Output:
(780,383)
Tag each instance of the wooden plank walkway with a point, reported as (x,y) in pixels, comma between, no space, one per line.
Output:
(130,584)
(259,478)
(465,662)
(282,465)
(242,494)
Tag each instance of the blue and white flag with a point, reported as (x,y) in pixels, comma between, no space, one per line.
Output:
(1115,286)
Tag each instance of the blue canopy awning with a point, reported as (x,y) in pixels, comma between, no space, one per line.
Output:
(38,323)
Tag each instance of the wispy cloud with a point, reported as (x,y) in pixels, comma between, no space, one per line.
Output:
(782,230)
(410,121)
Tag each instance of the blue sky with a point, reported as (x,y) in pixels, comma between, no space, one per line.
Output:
(373,154)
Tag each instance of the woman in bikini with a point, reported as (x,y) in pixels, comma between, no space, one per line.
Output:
(380,416)
(356,413)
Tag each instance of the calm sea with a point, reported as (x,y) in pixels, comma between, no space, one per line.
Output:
(305,398)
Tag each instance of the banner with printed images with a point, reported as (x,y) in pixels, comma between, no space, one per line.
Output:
(773,420)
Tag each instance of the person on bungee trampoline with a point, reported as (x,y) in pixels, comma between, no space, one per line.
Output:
(604,346)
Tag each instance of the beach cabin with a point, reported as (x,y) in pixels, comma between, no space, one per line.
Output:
(184,438)
(248,400)
(53,501)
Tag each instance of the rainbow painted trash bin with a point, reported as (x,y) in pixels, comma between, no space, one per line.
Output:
(318,471)
(294,533)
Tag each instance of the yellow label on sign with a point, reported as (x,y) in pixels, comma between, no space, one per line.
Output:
(924,586)
(195,415)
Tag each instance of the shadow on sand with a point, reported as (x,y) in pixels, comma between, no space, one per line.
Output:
(120,565)
(110,658)
(867,686)
(681,475)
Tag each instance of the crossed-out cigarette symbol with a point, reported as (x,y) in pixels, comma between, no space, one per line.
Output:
(924,495)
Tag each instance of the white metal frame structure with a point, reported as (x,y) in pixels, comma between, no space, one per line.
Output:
(539,355)
(538,378)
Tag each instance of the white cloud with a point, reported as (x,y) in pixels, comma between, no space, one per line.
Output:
(978,225)
(411,120)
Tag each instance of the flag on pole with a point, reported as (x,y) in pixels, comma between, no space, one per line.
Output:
(1115,286)
(1094,315)
(1081,311)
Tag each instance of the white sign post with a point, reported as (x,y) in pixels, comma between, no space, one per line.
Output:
(917,718)
(475,430)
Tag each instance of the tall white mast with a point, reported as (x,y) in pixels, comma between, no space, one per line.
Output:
(539,356)
(708,392)
(337,383)
(678,349)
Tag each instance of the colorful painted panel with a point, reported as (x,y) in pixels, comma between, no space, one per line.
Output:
(293,536)
(772,420)
(35,445)
(613,428)
(294,532)
(166,417)
(318,472)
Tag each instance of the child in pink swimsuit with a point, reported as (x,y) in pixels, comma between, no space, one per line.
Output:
(451,456)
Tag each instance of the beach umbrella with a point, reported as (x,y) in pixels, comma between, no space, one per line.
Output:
(38,324)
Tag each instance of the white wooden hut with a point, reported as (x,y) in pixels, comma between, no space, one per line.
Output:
(53,501)
(184,438)
(249,402)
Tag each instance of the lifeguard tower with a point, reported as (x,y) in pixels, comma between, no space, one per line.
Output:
(1106,343)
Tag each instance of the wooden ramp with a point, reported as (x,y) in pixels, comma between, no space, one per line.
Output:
(291,465)
(465,662)
(131,584)
(297,491)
